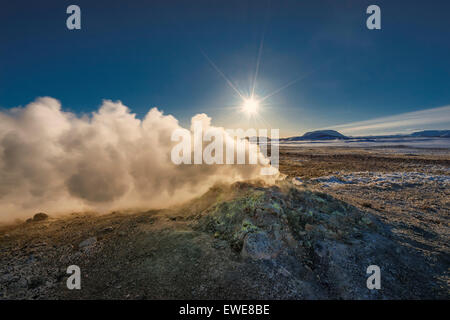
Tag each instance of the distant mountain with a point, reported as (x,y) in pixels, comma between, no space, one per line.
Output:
(334,135)
(318,135)
(432,133)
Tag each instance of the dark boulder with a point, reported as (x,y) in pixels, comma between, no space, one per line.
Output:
(40,216)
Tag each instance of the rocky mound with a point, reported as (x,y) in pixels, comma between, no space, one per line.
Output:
(275,218)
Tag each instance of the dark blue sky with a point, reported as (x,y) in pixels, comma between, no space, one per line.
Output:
(149,53)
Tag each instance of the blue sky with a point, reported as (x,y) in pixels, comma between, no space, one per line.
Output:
(153,53)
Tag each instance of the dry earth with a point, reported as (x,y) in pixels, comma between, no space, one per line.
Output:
(310,239)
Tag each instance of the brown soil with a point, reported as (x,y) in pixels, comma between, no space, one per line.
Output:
(252,241)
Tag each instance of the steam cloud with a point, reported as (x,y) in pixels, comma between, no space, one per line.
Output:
(57,162)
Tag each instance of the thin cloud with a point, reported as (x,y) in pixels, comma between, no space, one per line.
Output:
(435,118)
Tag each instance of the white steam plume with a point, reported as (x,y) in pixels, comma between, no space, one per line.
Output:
(56,162)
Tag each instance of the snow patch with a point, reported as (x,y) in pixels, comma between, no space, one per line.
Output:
(381,179)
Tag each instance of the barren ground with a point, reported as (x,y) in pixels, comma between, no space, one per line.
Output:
(311,239)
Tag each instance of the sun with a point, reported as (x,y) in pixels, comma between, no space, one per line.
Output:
(250,106)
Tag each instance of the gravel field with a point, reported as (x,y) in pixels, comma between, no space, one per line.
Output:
(311,236)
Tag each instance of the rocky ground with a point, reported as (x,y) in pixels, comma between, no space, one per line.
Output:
(311,236)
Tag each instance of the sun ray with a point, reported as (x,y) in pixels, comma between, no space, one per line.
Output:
(258,61)
(250,103)
(260,50)
(292,82)
(223,75)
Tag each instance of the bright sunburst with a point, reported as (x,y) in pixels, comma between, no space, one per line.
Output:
(250,106)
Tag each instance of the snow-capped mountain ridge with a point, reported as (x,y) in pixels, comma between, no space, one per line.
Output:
(334,135)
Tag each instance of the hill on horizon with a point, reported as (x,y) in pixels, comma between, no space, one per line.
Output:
(319,135)
(432,133)
(335,135)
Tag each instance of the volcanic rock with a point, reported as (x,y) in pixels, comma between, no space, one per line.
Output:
(40,216)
